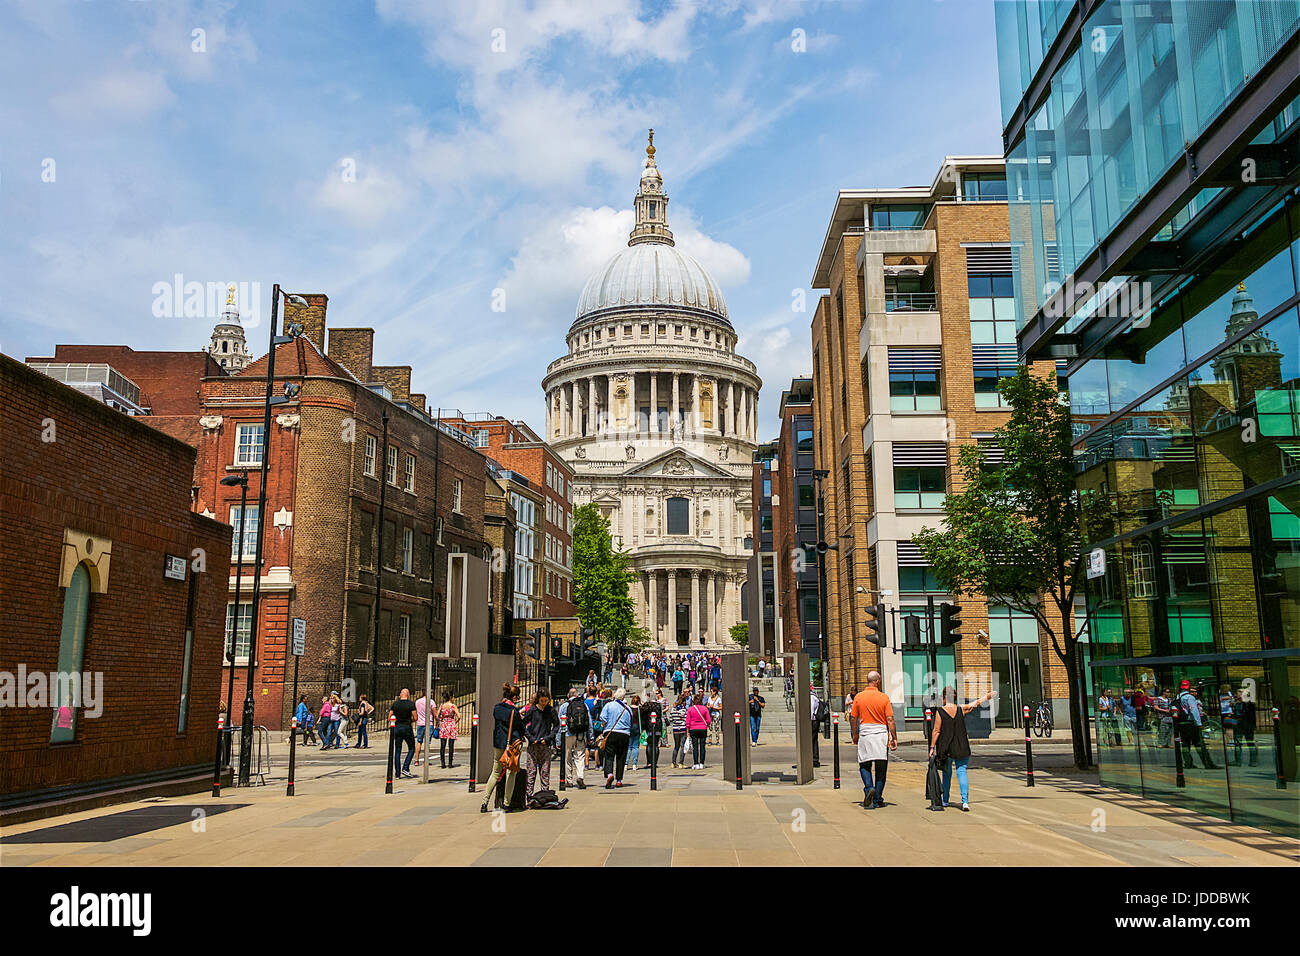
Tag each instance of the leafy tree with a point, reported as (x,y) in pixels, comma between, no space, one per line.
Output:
(740,633)
(1012,532)
(600,581)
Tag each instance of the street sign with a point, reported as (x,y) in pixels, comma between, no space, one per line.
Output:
(173,567)
(1096,563)
(299,636)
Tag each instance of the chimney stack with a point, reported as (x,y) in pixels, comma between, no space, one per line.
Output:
(353,349)
(312,317)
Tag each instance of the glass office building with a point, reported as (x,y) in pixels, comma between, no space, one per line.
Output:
(1155,215)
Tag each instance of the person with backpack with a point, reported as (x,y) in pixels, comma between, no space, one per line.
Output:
(756,705)
(697,725)
(819,714)
(541,723)
(616,719)
(577,732)
(1187,723)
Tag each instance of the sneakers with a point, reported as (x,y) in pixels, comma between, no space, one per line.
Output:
(609,782)
(965,808)
(581,784)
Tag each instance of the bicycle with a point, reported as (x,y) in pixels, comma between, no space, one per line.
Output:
(1043,719)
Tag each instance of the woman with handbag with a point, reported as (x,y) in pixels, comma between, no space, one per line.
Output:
(507,744)
(616,718)
(448,717)
(697,725)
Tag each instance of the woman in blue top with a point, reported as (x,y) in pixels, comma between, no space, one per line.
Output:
(616,717)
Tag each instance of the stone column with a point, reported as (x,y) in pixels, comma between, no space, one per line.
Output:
(695,606)
(550,401)
(731,407)
(695,404)
(575,420)
(672,424)
(609,408)
(672,608)
(714,637)
(591,405)
(564,412)
(654,403)
(652,618)
(753,415)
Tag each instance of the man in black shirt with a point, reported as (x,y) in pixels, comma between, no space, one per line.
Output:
(756,705)
(403,710)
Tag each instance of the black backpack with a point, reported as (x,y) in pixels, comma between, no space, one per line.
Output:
(546,800)
(823,710)
(577,717)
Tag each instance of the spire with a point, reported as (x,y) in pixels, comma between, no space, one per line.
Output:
(651,203)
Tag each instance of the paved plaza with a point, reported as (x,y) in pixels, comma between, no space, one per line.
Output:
(341,816)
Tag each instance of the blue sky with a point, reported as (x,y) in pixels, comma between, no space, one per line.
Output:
(222,156)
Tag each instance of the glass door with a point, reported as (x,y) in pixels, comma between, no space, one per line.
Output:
(1017,670)
(1007,713)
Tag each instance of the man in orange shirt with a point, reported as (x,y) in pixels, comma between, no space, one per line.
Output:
(871,719)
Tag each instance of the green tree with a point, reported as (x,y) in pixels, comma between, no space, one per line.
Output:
(600,581)
(740,633)
(1012,532)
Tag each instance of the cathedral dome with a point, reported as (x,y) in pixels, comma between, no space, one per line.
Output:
(653,275)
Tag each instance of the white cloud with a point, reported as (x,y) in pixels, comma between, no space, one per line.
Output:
(366,197)
(118,94)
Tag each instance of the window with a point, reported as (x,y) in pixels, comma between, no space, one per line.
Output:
(903,216)
(248,444)
(481,438)
(1007,626)
(72,652)
(987,377)
(679,516)
(989,187)
(392,465)
(372,453)
(919,487)
(767,487)
(992,308)
(438,526)
(408,549)
(455,496)
(806,499)
(550,477)
(250,530)
(914,379)
(404,639)
(409,483)
(242,635)
(808,612)
(918,579)
(804,440)
(764,522)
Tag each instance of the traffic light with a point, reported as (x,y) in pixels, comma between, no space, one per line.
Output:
(912,633)
(530,644)
(876,625)
(557,648)
(586,642)
(949,624)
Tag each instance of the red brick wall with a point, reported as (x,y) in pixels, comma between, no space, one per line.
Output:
(107,475)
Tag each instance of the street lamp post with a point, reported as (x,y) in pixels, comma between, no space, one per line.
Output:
(230,481)
(246,730)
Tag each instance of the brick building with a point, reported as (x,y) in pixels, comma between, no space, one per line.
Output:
(518,448)
(908,347)
(168,381)
(104,570)
(500,529)
(326,471)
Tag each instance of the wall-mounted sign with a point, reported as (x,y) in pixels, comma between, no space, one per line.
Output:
(173,567)
(1096,563)
(299,636)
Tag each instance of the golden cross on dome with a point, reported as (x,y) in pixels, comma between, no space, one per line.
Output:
(1241,287)
(230,294)
(650,149)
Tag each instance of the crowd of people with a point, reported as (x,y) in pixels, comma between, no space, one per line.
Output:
(691,670)
(1163,714)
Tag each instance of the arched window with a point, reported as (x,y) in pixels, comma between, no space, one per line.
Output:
(679,516)
(72,653)
(706,522)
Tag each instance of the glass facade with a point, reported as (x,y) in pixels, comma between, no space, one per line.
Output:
(1143,79)
(1186,424)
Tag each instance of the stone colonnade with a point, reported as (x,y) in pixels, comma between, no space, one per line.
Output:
(707,592)
(613,402)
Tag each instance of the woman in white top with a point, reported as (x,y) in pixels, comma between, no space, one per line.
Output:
(341,711)
(715,714)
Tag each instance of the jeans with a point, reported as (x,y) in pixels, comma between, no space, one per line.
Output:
(326,734)
(402,734)
(698,740)
(679,746)
(633,748)
(615,754)
(962,783)
(881,767)
(363,738)
(753,728)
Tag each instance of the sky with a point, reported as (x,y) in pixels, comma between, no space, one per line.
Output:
(450,173)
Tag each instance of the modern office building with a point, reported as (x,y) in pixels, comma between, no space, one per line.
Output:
(908,348)
(795,521)
(762,611)
(1152,166)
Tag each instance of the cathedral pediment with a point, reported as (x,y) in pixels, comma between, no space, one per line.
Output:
(677,463)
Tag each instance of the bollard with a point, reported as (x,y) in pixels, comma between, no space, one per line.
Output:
(654,750)
(1029,752)
(1277,750)
(392,739)
(1179,779)
(929,727)
(835,719)
(221,728)
(739,774)
(293,737)
(564,722)
(473,754)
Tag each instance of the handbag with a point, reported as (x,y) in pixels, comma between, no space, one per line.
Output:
(510,756)
(600,741)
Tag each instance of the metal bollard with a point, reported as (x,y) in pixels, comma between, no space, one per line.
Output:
(739,774)
(473,754)
(1277,750)
(293,737)
(392,722)
(1029,751)
(654,751)
(1179,779)
(835,720)
(221,728)
(929,727)
(564,722)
